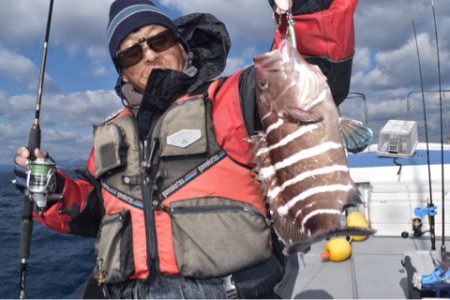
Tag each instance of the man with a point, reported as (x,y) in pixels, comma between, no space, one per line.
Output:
(168,188)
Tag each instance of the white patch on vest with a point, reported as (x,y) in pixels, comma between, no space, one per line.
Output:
(184,137)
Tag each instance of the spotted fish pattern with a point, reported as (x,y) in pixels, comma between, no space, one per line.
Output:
(300,158)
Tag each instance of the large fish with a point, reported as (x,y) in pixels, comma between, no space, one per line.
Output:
(300,156)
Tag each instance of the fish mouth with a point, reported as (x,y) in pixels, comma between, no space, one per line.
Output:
(268,61)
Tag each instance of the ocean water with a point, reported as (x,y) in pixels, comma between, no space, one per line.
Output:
(59,264)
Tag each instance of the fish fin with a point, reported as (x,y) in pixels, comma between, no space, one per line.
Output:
(257,141)
(356,136)
(355,199)
(261,160)
(305,245)
(297,115)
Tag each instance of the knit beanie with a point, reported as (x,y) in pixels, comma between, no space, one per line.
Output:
(126,16)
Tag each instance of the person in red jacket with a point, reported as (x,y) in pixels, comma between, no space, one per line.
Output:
(168,189)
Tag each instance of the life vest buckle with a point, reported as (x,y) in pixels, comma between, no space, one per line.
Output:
(230,287)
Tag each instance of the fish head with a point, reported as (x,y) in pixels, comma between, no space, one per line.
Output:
(285,79)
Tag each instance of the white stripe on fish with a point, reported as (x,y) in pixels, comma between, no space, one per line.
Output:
(302,176)
(288,138)
(304,154)
(266,115)
(284,209)
(318,212)
(275,125)
(316,101)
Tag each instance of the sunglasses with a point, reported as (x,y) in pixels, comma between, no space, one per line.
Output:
(158,43)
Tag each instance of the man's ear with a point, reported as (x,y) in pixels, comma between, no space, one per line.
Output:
(124,78)
(183,51)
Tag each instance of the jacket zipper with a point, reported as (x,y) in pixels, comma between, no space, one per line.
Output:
(149,214)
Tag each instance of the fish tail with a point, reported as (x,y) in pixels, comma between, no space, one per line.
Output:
(304,245)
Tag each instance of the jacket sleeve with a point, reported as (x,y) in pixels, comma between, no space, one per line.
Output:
(325,37)
(80,210)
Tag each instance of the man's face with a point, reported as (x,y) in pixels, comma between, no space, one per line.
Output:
(172,58)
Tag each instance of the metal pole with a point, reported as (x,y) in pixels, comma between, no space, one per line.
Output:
(363,97)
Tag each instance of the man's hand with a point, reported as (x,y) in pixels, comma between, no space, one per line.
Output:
(23,155)
(21,162)
(282,6)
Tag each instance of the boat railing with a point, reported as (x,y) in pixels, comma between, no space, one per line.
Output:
(408,107)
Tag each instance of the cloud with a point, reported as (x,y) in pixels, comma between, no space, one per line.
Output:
(66,121)
(385,65)
(386,25)
(81,22)
(361,59)
(399,67)
(21,70)
(236,63)
(250,22)
(100,71)
(77,26)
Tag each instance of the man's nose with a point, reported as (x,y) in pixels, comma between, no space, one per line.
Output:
(149,54)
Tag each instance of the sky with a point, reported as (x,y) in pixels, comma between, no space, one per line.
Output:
(79,79)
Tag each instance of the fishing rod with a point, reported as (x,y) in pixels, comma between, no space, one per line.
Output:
(443,249)
(431,219)
(34,142)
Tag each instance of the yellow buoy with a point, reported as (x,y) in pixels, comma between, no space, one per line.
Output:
(337,249)
(357,219)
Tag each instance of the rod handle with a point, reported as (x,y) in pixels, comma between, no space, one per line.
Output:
(34,140)
(26,229)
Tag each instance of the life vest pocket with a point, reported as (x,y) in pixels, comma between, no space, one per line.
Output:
(183,129)
(109,148)
(215,236)
(114,249)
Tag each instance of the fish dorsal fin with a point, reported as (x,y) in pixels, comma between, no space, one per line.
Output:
(356,136)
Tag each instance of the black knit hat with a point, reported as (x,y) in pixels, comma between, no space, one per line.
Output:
(126,16)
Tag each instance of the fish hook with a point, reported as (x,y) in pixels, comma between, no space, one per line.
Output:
(284,8)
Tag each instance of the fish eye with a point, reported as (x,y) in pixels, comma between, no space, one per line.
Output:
(263,84)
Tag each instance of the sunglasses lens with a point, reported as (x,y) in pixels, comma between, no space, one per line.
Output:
(162,41)
(158,43)
(131,56)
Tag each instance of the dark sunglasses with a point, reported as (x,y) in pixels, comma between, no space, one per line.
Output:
(158,43)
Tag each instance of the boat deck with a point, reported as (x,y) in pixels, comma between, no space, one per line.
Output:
(374,270)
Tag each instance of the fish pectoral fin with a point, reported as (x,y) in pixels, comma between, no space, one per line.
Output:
(297,115)
(305,245)
(356,136)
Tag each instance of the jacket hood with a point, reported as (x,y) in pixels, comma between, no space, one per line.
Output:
(209,42)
